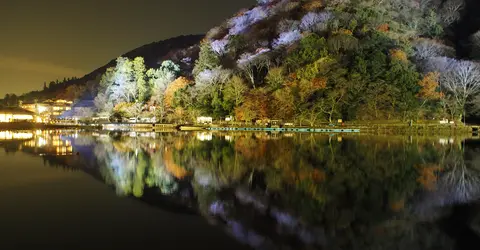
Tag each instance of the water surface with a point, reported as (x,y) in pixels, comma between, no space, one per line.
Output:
(111,190)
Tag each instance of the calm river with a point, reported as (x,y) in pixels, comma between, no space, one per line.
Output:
(67,189)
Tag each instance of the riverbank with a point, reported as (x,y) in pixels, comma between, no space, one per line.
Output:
(393,128)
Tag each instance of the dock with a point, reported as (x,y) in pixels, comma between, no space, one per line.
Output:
(307,130)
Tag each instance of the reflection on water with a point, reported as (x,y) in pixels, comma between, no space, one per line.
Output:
(301,191)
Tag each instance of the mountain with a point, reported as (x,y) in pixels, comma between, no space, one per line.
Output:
(153,54)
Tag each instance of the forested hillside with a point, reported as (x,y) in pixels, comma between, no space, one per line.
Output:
(316,61)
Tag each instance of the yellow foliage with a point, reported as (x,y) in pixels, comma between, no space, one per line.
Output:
(399,54)
(313,5)
(343,32)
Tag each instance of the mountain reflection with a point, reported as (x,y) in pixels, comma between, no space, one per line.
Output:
(296,191)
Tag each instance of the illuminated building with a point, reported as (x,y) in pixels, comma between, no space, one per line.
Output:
(14,114)
(48,110)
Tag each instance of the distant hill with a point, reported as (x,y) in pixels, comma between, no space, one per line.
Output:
(174,49)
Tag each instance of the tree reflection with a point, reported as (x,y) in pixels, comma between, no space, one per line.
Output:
(300,191)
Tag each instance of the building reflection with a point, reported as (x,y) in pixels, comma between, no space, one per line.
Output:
(42,142)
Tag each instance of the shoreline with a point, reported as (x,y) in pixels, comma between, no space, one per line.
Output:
(399,129)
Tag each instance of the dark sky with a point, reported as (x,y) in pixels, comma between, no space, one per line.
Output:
(42,40)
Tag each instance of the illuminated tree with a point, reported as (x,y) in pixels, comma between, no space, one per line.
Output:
(140,79)
(172,88)
(123,87)
(235,90)
(428,88)
(254,106)
(428,48)
(313,21)
(207,59)
(461,79)
(286,38)
(275,78)
(450,11)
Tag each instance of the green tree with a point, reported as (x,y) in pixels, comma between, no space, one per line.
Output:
(139,71)
(207,59)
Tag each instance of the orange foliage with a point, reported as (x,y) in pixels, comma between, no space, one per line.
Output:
(383,27)
(399,54)
(313,5)
(173,87)
(255,106)
(171,167)
(319,83)
(428,175)
(429,85)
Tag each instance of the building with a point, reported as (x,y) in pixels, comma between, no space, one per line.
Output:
(204,120)
(48,110)
(15,114)
(81,110)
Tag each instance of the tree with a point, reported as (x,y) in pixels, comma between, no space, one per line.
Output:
(235,90)
(428,88)
(252,64)
(124,87)
(172,88)
(310,49)
(74,92)
(207,59)
(450,11)
(275,78)
(475,40)
(428,48)
(254,106)
(462,80)
(139,72)
(103,105)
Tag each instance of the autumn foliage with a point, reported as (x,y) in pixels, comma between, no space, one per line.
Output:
(313,5)
(399,54)
(173,87)
(255,106)
(383,27)
(429,85)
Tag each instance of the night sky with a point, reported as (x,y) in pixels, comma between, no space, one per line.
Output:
(41,41)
